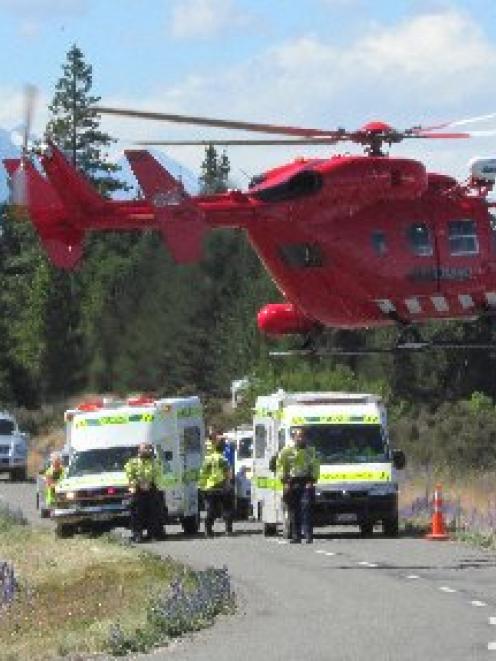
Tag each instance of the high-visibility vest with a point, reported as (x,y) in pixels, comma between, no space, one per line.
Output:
(298,463)
(52,476)
(214,471)
(141,470)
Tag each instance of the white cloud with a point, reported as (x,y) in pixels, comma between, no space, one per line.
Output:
(422,70)
(29,28)
(205,18)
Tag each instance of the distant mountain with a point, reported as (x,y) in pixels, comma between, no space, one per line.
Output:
(7,150)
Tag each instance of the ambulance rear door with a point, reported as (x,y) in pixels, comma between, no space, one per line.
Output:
(264,482)
(191,433)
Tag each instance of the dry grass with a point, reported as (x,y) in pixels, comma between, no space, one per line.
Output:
(473,491)
(72,590)
(41,446)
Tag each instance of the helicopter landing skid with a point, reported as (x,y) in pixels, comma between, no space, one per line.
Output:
(373,351)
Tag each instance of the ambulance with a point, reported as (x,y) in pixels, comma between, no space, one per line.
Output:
(358,483)
(242,440)
(103,435)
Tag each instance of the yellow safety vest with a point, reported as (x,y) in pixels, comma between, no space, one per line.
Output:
(214,471)
(54,476)
(139,470)
(298,463)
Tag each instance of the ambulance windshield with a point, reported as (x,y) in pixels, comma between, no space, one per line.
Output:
(105,460)
(347,444)
(6,427)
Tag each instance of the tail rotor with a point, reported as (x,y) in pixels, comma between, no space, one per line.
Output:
(19,177)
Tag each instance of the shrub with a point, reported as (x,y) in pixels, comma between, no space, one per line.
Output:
(8,585)
(191,603)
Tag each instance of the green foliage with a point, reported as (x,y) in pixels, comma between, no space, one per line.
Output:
(214,171)
(454,437)
(74,125)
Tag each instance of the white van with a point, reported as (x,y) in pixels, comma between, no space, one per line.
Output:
(358,483)
(103,436)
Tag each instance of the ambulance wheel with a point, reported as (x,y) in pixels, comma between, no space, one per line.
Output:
(191,525)
(18,475)
(367,529)
(64,530)
(391,527)
(270,529)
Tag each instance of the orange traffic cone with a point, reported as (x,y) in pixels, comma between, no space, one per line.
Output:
(438,531)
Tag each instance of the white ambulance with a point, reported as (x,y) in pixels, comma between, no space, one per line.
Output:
(242,439)
(103,435)
(358,482)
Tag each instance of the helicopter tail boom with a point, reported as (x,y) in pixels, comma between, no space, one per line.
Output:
(180,219)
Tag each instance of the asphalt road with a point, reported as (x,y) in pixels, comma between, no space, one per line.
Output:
(343,598)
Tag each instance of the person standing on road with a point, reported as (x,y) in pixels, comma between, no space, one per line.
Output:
(298,468)
(53,474)
(215,483)
(147,503)
(210,440)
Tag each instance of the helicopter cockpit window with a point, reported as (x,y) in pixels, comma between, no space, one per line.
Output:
(420,240)
(462,235)
(379,243)
(301,255)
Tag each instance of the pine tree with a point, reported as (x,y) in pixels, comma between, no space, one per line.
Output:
(74,125)
(214,172)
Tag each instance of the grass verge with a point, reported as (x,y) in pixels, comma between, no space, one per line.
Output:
(87,595)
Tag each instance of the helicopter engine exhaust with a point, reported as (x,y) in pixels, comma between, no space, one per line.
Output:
(283,319)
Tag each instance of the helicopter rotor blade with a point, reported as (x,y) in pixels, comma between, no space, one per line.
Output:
(30,93)
(221,123)
(438,136)
(205,143)
(459,122)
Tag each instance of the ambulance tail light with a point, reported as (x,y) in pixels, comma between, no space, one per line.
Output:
(140,400)
(91,405)
(111,491)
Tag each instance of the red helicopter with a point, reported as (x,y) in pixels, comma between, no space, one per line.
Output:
(351,241)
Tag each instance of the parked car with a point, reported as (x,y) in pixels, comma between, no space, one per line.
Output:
(13,448)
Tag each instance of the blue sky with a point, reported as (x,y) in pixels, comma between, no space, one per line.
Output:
(319,63)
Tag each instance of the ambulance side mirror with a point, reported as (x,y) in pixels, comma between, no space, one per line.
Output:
(272,463)
(399,459)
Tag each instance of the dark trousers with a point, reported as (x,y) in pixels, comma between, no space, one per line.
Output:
(218,503)
(299,500)
(148,512)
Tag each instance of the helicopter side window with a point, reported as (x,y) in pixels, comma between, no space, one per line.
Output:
(301,255)
(379,243)
(462,236)
(419,239)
